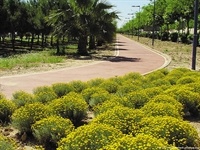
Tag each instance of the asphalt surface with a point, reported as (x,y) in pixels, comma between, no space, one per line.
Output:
(131,56)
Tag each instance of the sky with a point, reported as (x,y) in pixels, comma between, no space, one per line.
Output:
(126,10)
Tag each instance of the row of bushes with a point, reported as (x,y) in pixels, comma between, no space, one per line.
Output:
(128,110)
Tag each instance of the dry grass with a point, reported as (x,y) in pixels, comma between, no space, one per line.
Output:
(181,54)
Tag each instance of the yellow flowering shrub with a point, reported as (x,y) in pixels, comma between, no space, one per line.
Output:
(25,116)
(138,98)
(7,108)
(154,76)
(95,95)
(122,118)
(52,129)
(174,131)
(186,80)
(127,88)
(2,96)
(161,82)
(161,109)
(78,85)
(132,76)
(95,82)
(61,89)
(71,106)
(164,98)
(7,143)
(190,100)
(89,137)
(140,142)
(153,91)
(109,86)
(20,98)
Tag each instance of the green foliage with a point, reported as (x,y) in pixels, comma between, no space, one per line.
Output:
(2,96)
(190,100)
(132,76)
(44,94)
(20,98)
(61,89)
(7,143)
(27,115)
(174,37)
(169,100)
(7,108)
(153,91)
(138,99)
(140,142)
(122,118)
(52,129)
(154,76)
(109,86)
(161,109)
(78,86)
(174,131)
(95,82)
(127,87)
(93,136)
(71,106)
(186,80)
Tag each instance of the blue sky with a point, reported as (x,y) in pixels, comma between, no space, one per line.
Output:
(125,8)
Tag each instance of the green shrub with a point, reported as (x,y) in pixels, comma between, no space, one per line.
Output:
(127,88)
(27,115)
(71,106)
(78,86)
(93,136)
(89,92)
(122,118)
(140,142)
(131,77)
(2,96)
(42,89)
(153,91)
(161,109)
(162,98)
(98,98)
(20,98)
(161,82)
(52,129)
(95,82)
(175,131)
(7,108)
(7,143)
(174,37)
(45,97)
(61,89)
(186,80)
(190,100)
(109,86)
(154,76)
(138,99)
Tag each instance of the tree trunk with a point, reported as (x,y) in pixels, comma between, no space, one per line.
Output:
(42,40)
(92,43)
(32,40)
(51,40)
(82,46)
(13,41)
(57,46)
(188,26)
(38,39)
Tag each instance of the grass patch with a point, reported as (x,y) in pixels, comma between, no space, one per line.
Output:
(30,60)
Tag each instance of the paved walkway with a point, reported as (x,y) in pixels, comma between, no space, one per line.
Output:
(131,57)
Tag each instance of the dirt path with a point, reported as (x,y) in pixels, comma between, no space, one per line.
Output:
(130,57)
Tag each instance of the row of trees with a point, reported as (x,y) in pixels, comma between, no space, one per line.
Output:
(88,21)
(168,14)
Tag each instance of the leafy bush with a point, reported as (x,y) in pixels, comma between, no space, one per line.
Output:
(52,129)
(2,96)
(132,77)
(127,88)
(186,80)
(78,86)
(153,91)
(174,37)
(7,143)
(138,99)
(161,83)
(122,118)
(7,108)
(162,98)
(140,142)
(71,106)
(161,109)
(190,100)
(27,115)
(95,82)
(20,98)
(174,131)
(154,76)
(61,89)
(93,136)
(165,36)
(109,86)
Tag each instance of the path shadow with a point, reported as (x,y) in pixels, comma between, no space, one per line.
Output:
(125,59)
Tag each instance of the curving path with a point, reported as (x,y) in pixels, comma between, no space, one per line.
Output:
(130,57)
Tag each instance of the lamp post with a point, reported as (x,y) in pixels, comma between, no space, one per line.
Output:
(196,3)
(138,21)
(153,30)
